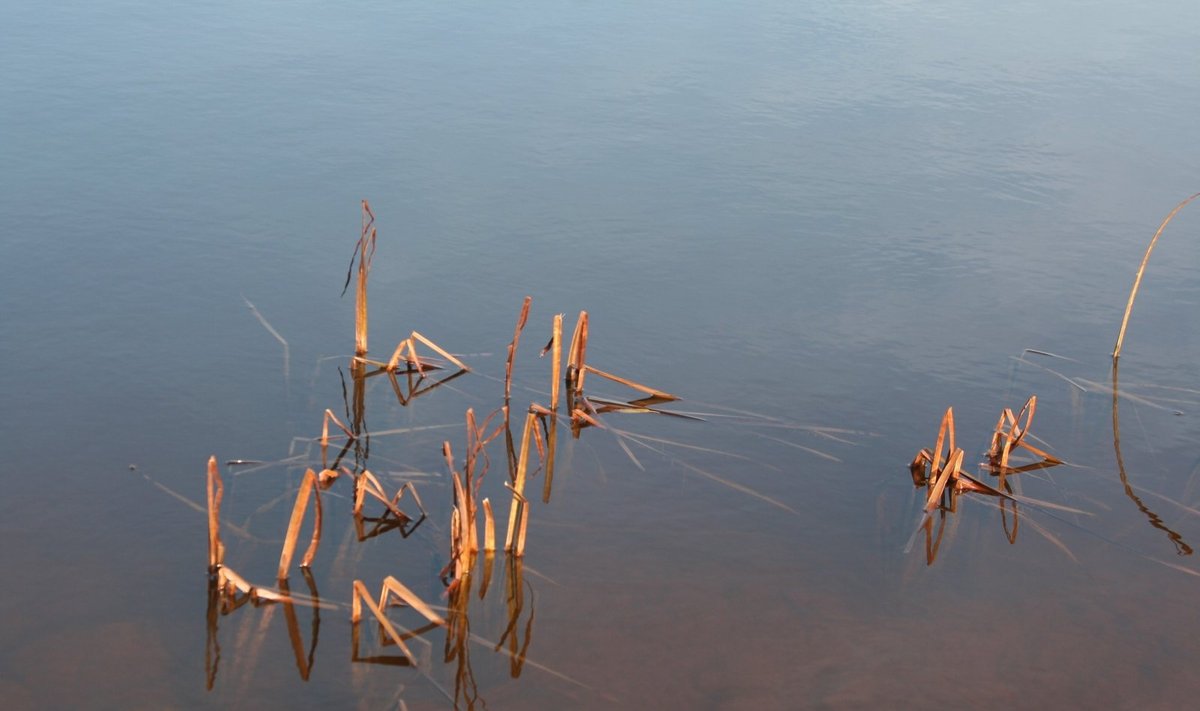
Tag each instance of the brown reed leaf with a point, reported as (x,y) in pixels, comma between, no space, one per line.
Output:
(666,397)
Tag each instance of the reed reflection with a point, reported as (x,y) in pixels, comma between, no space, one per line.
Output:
(229,594)
(1181,547)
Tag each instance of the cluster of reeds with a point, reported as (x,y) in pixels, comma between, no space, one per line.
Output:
(534,451)
(585,411)
(941,471)
(229,583)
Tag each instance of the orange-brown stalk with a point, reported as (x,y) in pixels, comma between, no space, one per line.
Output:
(577,354)
(519,503)
(366,252)
(1137,280)
(216,491)
(512,347)
(629,383)
(489,527)
(556,366)
(309,488)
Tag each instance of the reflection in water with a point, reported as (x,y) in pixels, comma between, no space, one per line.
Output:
(457,623)
(222,601)
(304,663)
(1181,547)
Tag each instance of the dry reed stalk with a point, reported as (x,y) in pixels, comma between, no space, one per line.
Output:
(463,541)
(1010,434)
(556,365)
(944,476)
(309,488)
(519,545)
(945,436)
(519,503)
(489,527)
(577,354)
(662,396)
(365,253)
(1137,280)
(938,467)
(512,347)
(552,435)
(360,595)
(416,359)
(216,491)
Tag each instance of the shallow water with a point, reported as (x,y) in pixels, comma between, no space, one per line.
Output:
(829,215)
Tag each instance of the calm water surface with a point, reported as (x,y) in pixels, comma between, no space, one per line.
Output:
(819,223)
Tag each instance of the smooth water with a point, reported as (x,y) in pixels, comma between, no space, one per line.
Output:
(841,218)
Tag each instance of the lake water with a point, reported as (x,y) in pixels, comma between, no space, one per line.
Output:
(818,223)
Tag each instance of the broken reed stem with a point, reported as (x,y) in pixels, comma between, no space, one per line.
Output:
(577,354)
(519,503)
(1137,280)
(308,489)
(512,347)
(949,472)
(464,540)
(946,428)
(556,366)
(489,527)
(216,491)
(366,251)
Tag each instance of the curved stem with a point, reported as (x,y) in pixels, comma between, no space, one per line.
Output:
(1137,280)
